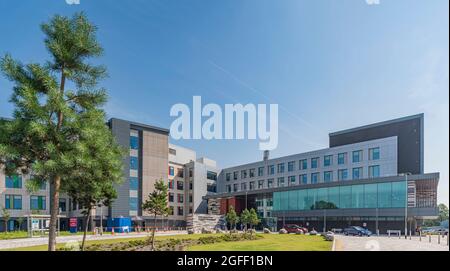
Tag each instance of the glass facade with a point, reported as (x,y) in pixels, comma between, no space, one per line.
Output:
(381,195)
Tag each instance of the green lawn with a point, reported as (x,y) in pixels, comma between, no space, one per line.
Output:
(271,242)
(24,234)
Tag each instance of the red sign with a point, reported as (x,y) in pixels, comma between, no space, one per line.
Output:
(73,222)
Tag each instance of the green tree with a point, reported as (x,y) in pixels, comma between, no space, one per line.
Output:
(245,218)
(254,219)
(20,221)
(232,218)
(443,212)
(47,132)
(6,216)
(157,205)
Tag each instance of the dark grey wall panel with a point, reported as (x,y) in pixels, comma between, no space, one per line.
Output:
(409,131)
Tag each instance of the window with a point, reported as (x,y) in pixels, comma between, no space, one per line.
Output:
(342,157)
(37,203)
(13,202)
(211,175)
(180,210)
(280,182)
(357,173)
(315,177)
(243,174)
(260,171)
(315,162)
(172,151)
(260,184)
(328,176)
(133,204)
(235,175)
(190,210)
(303,164)
(271,170)
(342,174)
(356,156)
(180,198)
(180,185)
(134,163)
(252,173)
(235,187)
(269,183)
(171,171)
(191,173)
(180,173)
(243,186)
(229,188)
(280,168)
(211,188)
(327,160)
(291,180)
(304,178)
(134,142)
(228,177)
(374,171)
(62,205)
(171,184)
(374,153)
(252,185)
(171,196)
(134,183)
(291,166)
(14,181)
(190,198)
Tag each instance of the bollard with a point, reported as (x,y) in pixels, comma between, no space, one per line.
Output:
(410,233)
(420,236)
(439,239)
(429,238)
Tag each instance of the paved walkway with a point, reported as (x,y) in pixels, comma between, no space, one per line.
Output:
(384,243)
(28,242)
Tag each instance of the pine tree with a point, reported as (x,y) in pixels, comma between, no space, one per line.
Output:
(57,110)
(157,205)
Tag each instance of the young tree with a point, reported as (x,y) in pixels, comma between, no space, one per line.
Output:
(245,218)
(20,221)
(47,133)
(157,205)
(232,218)
(254,219)
(6,216)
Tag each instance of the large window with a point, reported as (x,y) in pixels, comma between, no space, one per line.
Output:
(357,156)
(133,204)
(243,174)
(134,142)
(235,175)
(328,176)
(260,184)
(304,178)
(62,205)
(303,164)
(134,183)
(252,185)
(210,175)
(252,173)
(381,195)
(271,170)
(38,203)
(357,173)
(180,185)
(327,160)
(269,183)
(134,163)
(13,202)
(374,171)
(13,181)
(342,174)
(342,157)
(243,186)
(291,180)
(315,162)
(260,171)
(374,154)
(171,171)
(228,177)
(315,177)
(280,168)
(291,166)
(280,182)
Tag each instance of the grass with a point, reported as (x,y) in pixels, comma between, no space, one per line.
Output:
(271,242)
(23,234)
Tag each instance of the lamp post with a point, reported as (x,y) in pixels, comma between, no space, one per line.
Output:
(406,202)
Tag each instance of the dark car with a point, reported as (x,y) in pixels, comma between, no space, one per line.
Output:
(359,231)
(292,228)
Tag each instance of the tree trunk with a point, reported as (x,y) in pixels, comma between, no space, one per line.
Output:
(86,225)
(54,209)
(153,233)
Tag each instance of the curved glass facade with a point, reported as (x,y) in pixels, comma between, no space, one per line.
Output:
(381,195)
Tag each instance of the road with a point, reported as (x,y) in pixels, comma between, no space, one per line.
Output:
(384,243)
(27,242)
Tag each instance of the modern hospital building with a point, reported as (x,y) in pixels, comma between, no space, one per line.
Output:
(371,176)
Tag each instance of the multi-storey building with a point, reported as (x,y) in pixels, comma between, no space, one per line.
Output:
(359,180)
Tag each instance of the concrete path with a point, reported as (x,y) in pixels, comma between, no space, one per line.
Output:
(27,242)
(385,243)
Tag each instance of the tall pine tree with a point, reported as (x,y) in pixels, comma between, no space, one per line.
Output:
(57,117)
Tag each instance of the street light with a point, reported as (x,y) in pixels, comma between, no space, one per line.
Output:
(406,202)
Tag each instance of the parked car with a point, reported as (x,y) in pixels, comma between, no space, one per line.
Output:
(292,228)
(355,230)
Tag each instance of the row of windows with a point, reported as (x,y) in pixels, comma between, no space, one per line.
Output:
(357,157)
(14,202)
(180,185)
(180,197)
(15,181)
(342,175)
(381,195)
(180,210)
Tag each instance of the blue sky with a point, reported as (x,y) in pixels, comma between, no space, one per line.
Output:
(330,65)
